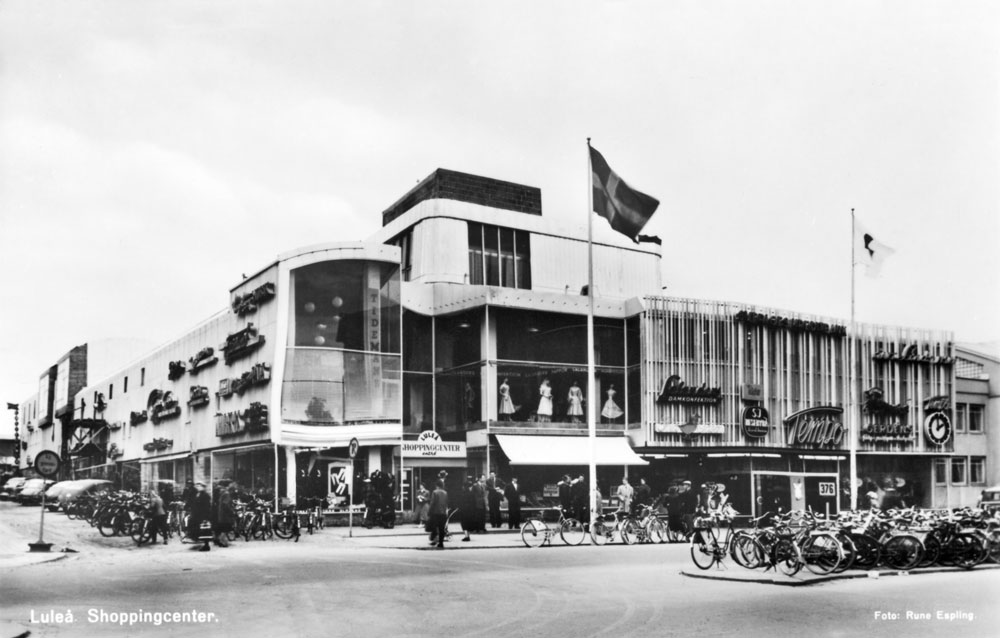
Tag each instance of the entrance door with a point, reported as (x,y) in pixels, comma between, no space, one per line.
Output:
(795,491)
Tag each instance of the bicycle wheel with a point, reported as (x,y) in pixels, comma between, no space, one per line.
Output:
(822,553)
(140,531)
(106,525)
(656,531)
(970,550)
(534,533)
(572,531)
(902,552)
(284,526)
(850,552)
(868,551)
(785,557)
(994,543)
(703,548)
(746,551)
(630,531)
(601,532)
(932,550)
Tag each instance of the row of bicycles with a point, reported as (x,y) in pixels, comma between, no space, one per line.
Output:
(642,525)
(898,540)
(126,513)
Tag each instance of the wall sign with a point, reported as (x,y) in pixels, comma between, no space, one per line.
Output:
(176,370)
(818,426)
(795,325)
(245,304)
(752,392)
(429,444)
(199,396)
(911,354)
(203,359)
(676,391)
(756,422)
(888,421)
(240,344)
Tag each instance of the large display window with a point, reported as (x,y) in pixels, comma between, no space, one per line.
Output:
(343,361)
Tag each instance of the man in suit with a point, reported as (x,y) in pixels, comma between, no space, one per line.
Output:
(513,495)
(494,494)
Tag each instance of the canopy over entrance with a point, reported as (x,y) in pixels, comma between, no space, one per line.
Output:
(567,450)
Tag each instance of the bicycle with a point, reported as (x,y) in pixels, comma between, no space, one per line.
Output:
(535,532)
(803,543)
(286,524)
(708,548)
(605,526)
(644,528)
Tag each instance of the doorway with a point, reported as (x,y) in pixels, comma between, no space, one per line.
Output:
(786,491)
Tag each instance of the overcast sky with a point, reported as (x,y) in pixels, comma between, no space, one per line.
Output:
(151,152)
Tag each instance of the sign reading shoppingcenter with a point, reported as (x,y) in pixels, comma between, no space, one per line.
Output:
(429,443)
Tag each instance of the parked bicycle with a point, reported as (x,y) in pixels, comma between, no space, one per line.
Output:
(535,532)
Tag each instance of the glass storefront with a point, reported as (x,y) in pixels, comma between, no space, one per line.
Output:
(343,364)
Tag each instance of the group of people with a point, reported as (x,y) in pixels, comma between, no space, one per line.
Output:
(478,501)
(219,512)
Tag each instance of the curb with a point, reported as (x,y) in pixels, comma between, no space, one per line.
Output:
(812,579)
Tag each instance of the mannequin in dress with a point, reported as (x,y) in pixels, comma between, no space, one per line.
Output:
(611,411)
(507,408)
(575,399)
(545,402)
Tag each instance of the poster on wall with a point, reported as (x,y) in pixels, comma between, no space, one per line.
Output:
(339,487)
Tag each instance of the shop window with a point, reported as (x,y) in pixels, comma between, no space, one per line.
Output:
(976,419)
(958,469)
(961,417)
(417,342)
(977,470)
(940,471)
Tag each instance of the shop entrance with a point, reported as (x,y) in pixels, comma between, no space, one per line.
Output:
(795,491)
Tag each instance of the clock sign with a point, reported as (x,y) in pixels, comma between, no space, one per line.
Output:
(937,427)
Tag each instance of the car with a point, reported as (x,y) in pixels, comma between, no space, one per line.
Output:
(82,487)
(52,494)
(32,490)
(989,500)
(12,487)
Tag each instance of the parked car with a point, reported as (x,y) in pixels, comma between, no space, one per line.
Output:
(82,487)
(32,490)
(989,500)
(12,487)
(52,494)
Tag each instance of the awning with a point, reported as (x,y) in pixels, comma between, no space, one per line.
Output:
(166,457)
(567,450)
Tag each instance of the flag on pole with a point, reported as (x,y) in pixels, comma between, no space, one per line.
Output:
(868,251)
(625,208)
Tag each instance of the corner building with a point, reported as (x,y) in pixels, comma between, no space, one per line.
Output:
(434,343)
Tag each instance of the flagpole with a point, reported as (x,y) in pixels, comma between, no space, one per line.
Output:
(591,420)
(852,428)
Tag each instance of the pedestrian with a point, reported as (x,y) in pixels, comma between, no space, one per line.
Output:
(188,494)
(201,511)
(494,495)
(225,515)
(687,503)
(467,508)
(480,504)
(581,499)
(158,515)
(565,486)
(643,493)
(438,514)
(423,505)
(513,495)
(624,494)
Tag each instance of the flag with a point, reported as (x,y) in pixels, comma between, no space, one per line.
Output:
(868,251)
(625,208)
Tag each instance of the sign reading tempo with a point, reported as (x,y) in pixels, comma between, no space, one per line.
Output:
(429,444)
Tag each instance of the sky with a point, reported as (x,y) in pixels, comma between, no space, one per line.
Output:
(151,153)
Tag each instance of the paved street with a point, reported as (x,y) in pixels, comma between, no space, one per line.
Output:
(389,583)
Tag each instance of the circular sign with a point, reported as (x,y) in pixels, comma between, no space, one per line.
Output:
(47,463)
(938,428)
(352,449)
(756,421)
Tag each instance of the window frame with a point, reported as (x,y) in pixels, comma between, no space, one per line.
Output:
(979,411)
(980,462)
(959,462)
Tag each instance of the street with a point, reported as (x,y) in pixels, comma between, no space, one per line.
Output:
(390,583)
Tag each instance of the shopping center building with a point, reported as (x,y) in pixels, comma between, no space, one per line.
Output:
(455,338)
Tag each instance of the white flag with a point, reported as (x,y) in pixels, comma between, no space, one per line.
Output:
(869,251)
